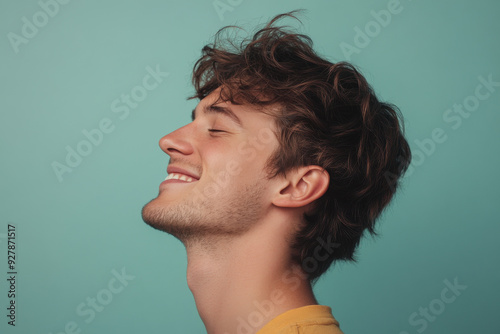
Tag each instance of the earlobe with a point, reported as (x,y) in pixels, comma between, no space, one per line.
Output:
(302,187)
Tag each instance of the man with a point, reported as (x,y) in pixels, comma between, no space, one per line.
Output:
(288,160)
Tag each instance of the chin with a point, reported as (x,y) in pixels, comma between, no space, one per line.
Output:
(157,215)
(152,214)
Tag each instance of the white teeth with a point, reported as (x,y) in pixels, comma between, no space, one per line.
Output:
(181,177)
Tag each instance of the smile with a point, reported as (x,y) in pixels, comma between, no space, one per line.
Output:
(181,177)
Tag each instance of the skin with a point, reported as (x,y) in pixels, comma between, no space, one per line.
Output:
(235,222)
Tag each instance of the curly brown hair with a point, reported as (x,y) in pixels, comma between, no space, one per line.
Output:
(329,117)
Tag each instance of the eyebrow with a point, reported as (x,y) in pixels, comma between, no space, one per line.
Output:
(221,110)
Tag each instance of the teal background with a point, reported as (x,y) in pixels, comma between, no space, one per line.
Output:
(442,225)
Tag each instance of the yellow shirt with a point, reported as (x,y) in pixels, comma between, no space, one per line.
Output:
(311,319)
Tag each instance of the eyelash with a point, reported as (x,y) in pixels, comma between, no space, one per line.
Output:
(215,130)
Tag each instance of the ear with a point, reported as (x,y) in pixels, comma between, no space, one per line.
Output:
(302,186)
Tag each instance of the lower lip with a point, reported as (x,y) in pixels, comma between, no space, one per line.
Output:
(174,181)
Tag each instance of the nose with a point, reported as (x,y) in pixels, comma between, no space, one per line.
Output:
(177,142)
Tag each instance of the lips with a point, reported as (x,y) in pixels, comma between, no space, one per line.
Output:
(177,173)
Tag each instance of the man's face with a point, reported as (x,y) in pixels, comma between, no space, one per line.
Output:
(217,183)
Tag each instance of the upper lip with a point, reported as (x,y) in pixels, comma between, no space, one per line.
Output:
(178,170)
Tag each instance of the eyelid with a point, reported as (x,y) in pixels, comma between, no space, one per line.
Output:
(215,130)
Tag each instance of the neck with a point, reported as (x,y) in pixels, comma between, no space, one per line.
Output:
(245,281)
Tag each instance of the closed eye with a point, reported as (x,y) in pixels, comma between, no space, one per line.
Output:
(215,130)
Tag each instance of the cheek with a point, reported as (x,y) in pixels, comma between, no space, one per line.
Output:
(220,162)
(234,158)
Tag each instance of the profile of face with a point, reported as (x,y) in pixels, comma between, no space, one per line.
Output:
(217,180)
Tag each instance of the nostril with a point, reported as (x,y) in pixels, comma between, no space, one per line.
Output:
(173,150)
